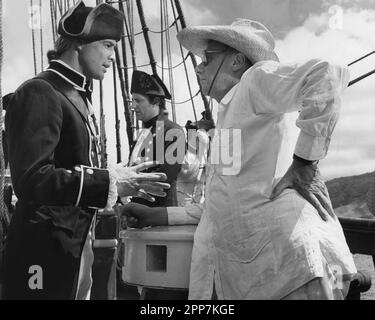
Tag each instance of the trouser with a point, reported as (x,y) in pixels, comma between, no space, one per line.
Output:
(85,270)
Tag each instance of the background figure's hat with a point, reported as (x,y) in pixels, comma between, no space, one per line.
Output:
(143,83)
(92,24)
(249,37)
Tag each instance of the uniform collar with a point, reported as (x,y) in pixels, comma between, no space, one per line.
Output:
(152,122)
(77,79)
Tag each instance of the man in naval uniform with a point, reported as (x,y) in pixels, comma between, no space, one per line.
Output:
(53,155)
(161,139)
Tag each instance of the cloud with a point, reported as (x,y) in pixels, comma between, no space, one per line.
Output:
(350,151)
(301,28)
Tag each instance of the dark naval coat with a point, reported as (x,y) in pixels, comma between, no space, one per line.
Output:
(53,157)
(164,143)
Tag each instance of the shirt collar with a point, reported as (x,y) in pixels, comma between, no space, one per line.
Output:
(228,97)
(77,79)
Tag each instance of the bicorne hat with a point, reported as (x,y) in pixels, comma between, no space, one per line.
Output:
(92,24)
(146,84)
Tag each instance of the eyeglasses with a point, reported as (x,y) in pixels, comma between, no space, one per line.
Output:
(208,52)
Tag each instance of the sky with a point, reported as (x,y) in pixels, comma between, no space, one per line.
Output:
(336,30)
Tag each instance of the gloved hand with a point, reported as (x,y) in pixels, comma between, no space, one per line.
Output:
(140,216)
(131,181)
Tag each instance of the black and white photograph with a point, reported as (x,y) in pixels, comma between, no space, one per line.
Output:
(187,154)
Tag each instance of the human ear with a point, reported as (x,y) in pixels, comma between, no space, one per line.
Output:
(156,101)
(239,61)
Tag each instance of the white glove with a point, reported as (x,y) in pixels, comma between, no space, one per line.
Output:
(131,182)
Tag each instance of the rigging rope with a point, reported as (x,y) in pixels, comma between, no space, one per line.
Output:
(175,66)
(361,58)
(53,21)
(161,40)
(33,34)
(3,210)
(130,32)
(154,31)
(187,100)
(159,66)
(41,35)
(169,59)
(185,68)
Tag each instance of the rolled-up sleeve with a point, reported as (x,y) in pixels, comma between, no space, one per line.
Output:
(190,214)
(314,88)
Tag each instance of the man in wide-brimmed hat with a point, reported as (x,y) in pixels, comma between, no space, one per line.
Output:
(53,155)
(248,246)
(257,237)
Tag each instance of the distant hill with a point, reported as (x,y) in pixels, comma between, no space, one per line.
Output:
(346,190)
(348,195)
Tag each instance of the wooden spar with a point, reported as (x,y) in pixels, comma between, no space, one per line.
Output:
(126,100)
(145,34)
(208,114)
(103,136)
(117,126)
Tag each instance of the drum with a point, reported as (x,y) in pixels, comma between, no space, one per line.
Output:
(158,257)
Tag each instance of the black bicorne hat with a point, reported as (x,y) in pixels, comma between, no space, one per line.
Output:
(92,24)
(146,84)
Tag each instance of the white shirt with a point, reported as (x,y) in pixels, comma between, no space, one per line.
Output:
(250,247)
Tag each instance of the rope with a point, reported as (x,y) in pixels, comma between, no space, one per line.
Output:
(33,36)
(361,58)
(169,58)
(187,100)
(3,210)
(159,66)
(361,77)
(186,72)
(161,41)
(41,35)
(134,35)
(130,31)
(164,30)
(173,67)
(154,31)
(117,125)
(53,21)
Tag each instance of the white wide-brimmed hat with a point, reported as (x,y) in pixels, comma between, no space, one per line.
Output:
(249,37)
